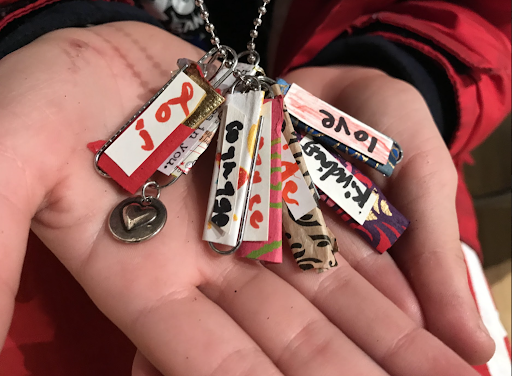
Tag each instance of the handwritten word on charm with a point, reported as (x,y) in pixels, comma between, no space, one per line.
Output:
(155,124)
(296,192)
(248,104)
(337,182)
(227,185)
(337,124)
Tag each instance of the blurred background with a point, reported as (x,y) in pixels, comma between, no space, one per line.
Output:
(489,182)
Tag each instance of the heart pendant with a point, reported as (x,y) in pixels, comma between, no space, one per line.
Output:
(135,215)
(135,220)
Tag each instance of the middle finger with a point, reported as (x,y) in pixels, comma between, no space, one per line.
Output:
(295,335)
(373,322)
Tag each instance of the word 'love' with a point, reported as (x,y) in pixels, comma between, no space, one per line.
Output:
(338,125)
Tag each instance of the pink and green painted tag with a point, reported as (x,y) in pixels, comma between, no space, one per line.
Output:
(271,250)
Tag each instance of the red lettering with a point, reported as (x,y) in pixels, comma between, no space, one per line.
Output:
(290,187)
(140,124)
(257,178)
(254,200)
(289,169)
(256,218)
(163,114)
(147,139)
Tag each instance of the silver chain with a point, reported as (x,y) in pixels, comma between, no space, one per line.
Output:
(210,28)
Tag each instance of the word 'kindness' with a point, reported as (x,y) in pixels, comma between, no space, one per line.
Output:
(337,182)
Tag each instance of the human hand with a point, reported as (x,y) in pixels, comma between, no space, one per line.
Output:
(188,310)
(423,188)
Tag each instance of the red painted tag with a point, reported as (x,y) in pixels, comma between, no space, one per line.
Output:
(143,173)
(135,154)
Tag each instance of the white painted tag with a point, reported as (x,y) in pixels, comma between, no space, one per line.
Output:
(156,123)
(190,145)
(337,182)
(296,193)
(338,125)
(256,227)
(231,154)
(250,104)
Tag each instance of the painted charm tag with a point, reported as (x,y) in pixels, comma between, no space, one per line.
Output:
(337,124)
(296,193)
(337,182)
(155,124)
(220,195)
(259,202)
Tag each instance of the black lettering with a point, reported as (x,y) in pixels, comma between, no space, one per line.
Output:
(221,207)
(332,170)
(220,220)
(310,148)
(328,122)
(347,178)
(361,136)
(373,143)
(342,124)
(227,191)
(232,131)
(362,197)
(230,154)
(228,167)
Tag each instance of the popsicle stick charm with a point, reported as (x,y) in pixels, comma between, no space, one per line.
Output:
(267,221)
(234,168)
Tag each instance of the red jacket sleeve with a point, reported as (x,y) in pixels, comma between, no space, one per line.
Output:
(470,39)
(497,12)
(474,52)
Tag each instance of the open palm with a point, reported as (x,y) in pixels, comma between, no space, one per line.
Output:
(188,310)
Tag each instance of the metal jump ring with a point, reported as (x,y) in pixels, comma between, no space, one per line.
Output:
(151,184)
(213,54)
(401,156)
(246,80)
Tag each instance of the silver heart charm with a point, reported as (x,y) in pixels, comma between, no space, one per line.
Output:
(135,215)
(135,220)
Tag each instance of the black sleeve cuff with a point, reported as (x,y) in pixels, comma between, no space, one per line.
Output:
(64,14)
(401,62)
